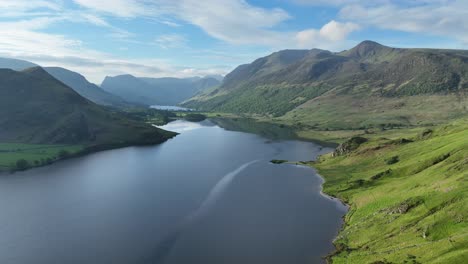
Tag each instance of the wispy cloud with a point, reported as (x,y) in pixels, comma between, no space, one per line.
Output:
(447,18)
(171,41)
(442,18)
(121,8)
(24,36)
(233,21)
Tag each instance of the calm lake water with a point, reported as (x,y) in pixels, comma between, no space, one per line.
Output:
(170,108)
(206,196)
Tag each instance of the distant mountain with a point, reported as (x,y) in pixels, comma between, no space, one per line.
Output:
(216,76)
(153,91)
(86,89)
(37,108)
(370,84)
(14,64)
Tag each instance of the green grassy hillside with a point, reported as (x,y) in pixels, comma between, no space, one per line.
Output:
(35,108)
(408,195)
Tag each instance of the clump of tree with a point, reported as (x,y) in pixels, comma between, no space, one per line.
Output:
(381,174)
(192,117)
(63,154)
(392,160)
(276,161)
(22,164)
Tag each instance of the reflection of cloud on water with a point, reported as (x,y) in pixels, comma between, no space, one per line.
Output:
(181,126)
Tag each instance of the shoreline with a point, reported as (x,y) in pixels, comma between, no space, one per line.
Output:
(87,150)
(340,203)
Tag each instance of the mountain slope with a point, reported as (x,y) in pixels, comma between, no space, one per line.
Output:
(153,91)
(407,195)
(300,87)
(86,89)
(37,108)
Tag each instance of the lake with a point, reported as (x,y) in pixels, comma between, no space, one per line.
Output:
(170,108)
(208,195)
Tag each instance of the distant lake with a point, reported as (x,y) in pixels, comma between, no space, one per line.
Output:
(170,108)
(207,196)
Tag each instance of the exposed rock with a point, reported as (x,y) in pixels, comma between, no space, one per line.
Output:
(349,145)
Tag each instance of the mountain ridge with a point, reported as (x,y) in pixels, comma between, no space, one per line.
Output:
(82,86)
(369,71)
(154,91)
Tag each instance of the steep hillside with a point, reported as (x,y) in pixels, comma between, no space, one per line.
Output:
(156,91)
(37,108)
(407,83)
(407,195)
(86,89)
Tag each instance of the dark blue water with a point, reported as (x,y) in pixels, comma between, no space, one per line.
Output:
(206,196)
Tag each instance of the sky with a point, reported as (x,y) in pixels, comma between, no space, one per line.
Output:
(184,38)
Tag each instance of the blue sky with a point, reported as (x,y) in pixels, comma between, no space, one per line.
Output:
(185,38)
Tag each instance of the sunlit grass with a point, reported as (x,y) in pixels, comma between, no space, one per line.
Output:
(431,169)
(34,154)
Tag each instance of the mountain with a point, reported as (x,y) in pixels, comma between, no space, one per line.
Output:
(14,64)
(368,85)
(86,89)
(37,108)
(156,91)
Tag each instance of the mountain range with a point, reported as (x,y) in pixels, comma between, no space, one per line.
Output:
(136,91)
(86,89)
(368,85)
(37,108)
(157,91)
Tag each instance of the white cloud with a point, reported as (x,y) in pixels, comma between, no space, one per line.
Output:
(22,40)
(331,33)
(233,21)
(171,41)
(170,23)
(122,8)
(335,31)
(442,18)
(25,5)
(325,2)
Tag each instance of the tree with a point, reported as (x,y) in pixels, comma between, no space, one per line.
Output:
(63,154)
(22,164)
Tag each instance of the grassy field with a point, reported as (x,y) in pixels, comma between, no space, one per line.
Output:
(34,154)
(409,199)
